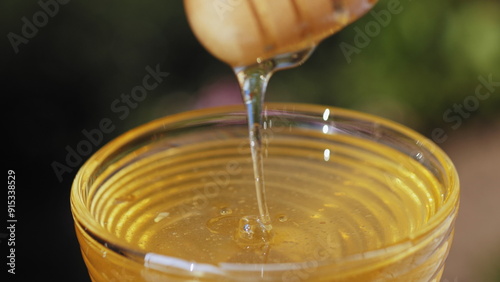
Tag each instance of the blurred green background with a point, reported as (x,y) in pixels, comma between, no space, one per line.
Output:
(421,68)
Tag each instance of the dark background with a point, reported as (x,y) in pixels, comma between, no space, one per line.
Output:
(65,78)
